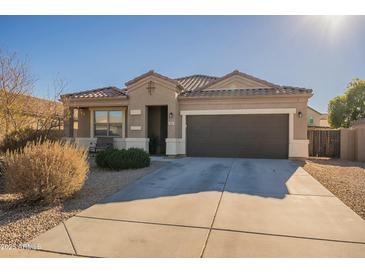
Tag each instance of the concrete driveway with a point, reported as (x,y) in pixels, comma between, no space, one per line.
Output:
(214,207)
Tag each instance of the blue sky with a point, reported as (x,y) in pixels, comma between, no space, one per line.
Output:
(322,53)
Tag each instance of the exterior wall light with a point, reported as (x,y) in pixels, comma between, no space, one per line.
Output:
(171,115)
(300,114)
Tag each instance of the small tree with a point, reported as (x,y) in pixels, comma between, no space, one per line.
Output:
(343,110)
(337,112)
(15,83)
(18,109)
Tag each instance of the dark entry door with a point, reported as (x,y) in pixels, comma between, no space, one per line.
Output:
(248,136)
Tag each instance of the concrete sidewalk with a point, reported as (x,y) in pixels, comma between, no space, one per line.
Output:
(215,207)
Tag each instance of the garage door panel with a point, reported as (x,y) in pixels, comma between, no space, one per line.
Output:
(252,136)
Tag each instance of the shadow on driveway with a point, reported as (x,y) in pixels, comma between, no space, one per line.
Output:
(260,177)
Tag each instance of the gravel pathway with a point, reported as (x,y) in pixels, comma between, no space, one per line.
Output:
(21,222)
(345,179)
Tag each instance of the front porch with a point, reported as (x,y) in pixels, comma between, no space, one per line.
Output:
(84,125)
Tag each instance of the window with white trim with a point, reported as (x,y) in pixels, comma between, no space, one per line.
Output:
(108,123)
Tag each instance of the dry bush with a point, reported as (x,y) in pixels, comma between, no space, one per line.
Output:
(17,140)
(46,172)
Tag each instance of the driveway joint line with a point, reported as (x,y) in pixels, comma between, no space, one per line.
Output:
(61,253)
(69,237)
(141,222)
(216,210)
(287,236)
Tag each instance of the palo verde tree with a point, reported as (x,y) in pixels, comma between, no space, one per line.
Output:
(344,109)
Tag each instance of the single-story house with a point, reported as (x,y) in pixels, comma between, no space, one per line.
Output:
(316,118)
(236,115)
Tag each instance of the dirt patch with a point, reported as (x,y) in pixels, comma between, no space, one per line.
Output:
(345,179)
(21,222)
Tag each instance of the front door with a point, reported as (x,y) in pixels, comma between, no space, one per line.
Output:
(157,129)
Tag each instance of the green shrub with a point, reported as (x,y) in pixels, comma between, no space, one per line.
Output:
(100,158)
(46,172)
(138,158)
(123,159)
(17,140)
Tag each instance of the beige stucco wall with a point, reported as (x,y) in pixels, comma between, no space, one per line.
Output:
(324,123)
(164,93)
(316,117)
(353,144)
(300,103)
(236,81)
(347,144)
(360,144)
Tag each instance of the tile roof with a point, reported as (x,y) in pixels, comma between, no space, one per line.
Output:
(246,91)
(237,72)
(105,92)
(149,73)
(195,86)
(196,81)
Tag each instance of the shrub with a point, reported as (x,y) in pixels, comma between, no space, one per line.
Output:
(100,158)
(138,158)
(18,139)
(123,159)
(46,172)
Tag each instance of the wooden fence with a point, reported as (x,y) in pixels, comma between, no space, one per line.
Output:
(324,142)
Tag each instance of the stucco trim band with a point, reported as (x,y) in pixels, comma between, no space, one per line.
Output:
(142,143)
(175,146)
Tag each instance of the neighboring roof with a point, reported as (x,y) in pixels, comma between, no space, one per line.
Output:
(314,110)
(193,82)
(246,91)
(105,92)
(151,73)
(35,106)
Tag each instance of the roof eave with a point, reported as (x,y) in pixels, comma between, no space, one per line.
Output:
(151,73)
(305,95)
(239,73)
(97,98)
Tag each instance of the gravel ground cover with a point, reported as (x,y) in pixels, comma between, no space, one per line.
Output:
(21,222)
(345,179)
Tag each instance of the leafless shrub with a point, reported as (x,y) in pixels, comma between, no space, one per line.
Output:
(46,172)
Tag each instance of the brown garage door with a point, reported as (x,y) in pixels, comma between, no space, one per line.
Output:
(249,136)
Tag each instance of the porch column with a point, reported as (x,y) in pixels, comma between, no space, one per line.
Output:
(291,127)
(68,121)
(83,130)
(183,129)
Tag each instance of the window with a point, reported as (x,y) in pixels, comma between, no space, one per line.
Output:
(310,120)
(108,123)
